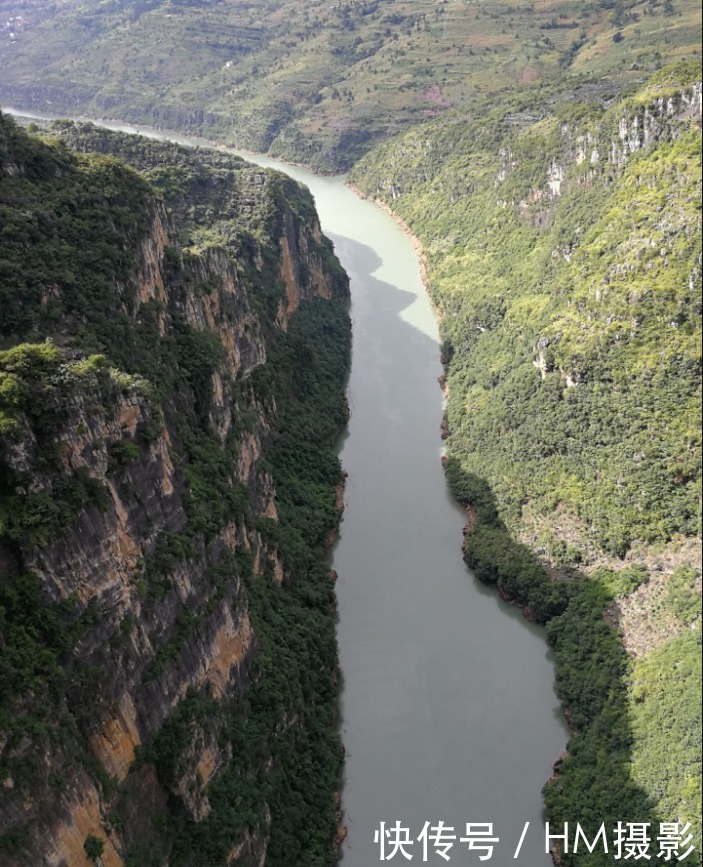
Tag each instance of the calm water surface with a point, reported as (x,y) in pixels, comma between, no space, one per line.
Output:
(449,711)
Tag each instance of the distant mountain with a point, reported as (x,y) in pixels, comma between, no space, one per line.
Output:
(320,82)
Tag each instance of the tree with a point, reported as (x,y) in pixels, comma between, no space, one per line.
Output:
(94,847)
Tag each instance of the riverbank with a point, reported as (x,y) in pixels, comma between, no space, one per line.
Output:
(524,583)
(133,128)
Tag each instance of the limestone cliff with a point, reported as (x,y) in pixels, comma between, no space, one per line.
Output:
(138,501)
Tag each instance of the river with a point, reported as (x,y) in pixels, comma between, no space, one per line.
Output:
(449,710)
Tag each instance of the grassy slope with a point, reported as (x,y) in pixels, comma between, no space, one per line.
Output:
(320,82)
(600,287)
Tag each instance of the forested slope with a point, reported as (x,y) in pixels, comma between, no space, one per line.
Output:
(564,253)
(172,361)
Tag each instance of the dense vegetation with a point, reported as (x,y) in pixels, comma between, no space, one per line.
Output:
(322,82)
(564,255)
(295,678)
(567,271)
(294,685)
(74,213)
(74,346)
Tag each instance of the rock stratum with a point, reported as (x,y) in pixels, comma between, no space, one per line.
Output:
(174,346)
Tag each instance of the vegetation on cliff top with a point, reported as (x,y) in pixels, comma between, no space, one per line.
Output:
(564,249)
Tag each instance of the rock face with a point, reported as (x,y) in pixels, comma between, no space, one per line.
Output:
(148,573)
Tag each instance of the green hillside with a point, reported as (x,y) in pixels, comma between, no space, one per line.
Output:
(564,250)
(321,82)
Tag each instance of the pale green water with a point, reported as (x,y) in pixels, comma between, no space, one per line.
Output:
(449,709)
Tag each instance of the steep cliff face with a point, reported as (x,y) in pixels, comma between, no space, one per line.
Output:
(140,512)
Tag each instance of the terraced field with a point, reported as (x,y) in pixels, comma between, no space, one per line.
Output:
(320,82)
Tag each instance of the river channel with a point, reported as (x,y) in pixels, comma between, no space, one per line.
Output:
(449,710)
